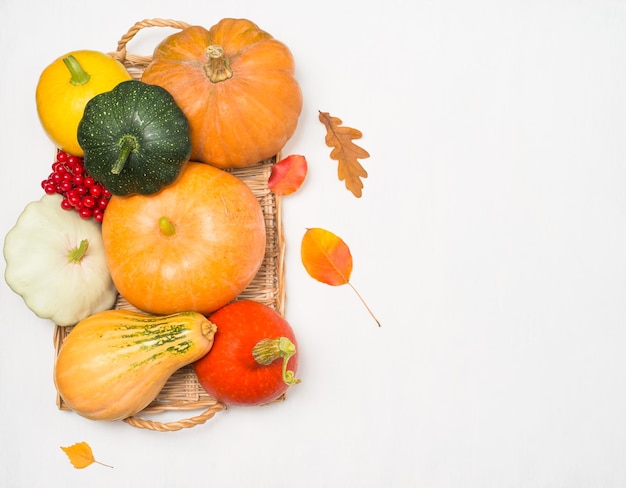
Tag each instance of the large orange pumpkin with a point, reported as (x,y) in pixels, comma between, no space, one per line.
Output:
(195,245)
(236,85)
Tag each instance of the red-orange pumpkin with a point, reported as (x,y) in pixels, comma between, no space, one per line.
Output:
(195,245)
(236,85)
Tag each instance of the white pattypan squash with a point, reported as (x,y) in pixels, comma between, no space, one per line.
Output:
(55,260)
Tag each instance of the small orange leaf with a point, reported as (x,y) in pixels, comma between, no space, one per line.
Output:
(288,175)
(345,152)
(81,455)
(327,258)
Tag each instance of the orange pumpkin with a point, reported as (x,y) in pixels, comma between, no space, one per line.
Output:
(195,245)
(236,85)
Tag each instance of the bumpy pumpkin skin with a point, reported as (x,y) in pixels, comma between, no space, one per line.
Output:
(216,248)
(144,120)
(243,119)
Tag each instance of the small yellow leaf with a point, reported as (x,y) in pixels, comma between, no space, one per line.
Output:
(81,455)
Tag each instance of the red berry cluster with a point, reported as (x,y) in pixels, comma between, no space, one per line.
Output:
(79,190)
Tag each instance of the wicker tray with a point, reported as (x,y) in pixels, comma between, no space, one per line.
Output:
(182,392)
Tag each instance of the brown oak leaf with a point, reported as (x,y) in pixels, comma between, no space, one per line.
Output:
(345,152)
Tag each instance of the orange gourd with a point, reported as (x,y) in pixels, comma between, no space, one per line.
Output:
(64,88)
(114,363)
(236,85)
(195,245)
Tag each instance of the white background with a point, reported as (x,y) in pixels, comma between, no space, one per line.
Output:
(490,241)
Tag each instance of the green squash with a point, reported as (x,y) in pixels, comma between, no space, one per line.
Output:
(135,138)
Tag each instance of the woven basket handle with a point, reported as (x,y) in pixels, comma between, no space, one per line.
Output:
(177,425)
(133,60)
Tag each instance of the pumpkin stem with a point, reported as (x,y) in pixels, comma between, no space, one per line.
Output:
(79,75)
(218,67)
(127,145)
(166,226)
(267,351)
(75,256)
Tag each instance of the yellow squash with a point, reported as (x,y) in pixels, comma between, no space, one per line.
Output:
(114,363)
(64,88)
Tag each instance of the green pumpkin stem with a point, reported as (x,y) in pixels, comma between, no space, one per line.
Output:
(267,351)
(166,226)
(218,68)
(76,255)
(127,145)
(79,75)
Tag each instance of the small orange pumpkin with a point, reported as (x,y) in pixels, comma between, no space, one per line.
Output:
(236,85)
(195,245)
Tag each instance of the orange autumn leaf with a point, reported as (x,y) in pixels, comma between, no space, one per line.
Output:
(288,175)
(81,455)
(345,152)
(327,258)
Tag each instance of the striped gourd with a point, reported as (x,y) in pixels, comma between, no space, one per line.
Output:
(114,363)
